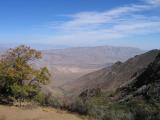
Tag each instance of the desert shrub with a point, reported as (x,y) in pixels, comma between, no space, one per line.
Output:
(144,114)
(79,106)
(143,110)
(87,108)
(53,102)
(40,98)
(117,115)
(154,93)
(48,100)
(101,108)
(96,112)
(133,110)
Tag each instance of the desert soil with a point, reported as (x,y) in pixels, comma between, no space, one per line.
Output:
(15,113)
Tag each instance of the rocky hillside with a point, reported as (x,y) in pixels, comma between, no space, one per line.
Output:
(111,78)
(145,84)
(138,98)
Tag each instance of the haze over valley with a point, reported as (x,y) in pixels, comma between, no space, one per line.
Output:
(80,60)
(69,64)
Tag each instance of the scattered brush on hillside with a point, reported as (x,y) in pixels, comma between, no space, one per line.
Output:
(138,99)
(103,108)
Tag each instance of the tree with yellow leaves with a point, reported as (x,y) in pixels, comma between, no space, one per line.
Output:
(18,77)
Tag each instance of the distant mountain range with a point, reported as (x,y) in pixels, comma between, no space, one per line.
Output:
(82,56)
(71,63)
(90,55)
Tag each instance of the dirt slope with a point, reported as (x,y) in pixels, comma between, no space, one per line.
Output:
(14,113)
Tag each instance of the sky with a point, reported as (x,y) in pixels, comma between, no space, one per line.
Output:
(72,23)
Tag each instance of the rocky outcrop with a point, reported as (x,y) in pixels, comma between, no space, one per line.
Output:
(146,84)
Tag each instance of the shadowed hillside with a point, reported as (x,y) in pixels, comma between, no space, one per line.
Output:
(145,84)
(138,98)
(110,78)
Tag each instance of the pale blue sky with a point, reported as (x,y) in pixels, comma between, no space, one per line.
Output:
(61,23)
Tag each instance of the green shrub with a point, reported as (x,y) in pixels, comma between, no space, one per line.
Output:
(103,109)
(87,108)
(142,114)
(117,115)
(40,98)
(79,106)
(53,102)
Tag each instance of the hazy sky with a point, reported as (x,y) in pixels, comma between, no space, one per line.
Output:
(81,22)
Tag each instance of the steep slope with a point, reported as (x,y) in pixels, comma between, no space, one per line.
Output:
(110,78)
(145,84)
(137,99)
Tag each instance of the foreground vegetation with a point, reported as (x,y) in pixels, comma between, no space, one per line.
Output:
(19,80)
(104,108)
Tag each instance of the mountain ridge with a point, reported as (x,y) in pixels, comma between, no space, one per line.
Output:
(110,78)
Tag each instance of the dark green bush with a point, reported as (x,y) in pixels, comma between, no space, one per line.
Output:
(40,98)
(117,115)
(79,106)
(142,114)
(101,109)
(53,102)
